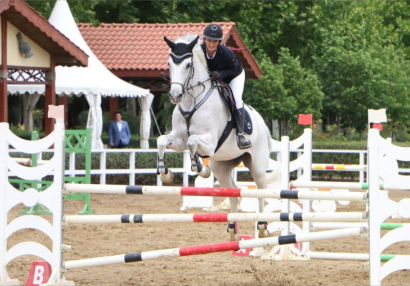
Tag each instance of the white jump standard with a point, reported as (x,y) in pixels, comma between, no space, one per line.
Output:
(214,192)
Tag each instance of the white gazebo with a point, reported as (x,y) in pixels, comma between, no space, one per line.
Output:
(93,81)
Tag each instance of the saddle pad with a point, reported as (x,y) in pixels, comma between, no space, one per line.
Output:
(247,128)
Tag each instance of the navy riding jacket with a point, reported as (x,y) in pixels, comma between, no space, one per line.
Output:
(224,62)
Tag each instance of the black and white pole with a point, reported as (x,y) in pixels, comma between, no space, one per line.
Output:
(211,248)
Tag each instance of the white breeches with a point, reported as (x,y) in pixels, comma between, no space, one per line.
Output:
(237,85)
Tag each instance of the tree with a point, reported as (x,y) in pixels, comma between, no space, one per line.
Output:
(353,52)
(83,11)
(285,90)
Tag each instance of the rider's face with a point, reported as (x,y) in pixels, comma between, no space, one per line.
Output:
(211,45)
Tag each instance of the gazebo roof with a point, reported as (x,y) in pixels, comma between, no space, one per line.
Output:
(138,50)
(35,26)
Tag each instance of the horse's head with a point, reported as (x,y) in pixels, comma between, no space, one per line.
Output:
(180,67)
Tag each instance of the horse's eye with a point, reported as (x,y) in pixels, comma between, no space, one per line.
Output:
(188,65)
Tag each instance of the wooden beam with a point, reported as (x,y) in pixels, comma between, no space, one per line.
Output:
(63,100)
(50,99)
(3,73)
(138,73)
(113,106)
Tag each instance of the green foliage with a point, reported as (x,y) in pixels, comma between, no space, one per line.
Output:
(134,142)
(19,131)
(285,90)
(121,161)
(164,116)
(83,11)
(38,117)
(334,59)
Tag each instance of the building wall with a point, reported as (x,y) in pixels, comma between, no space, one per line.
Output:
(40,59)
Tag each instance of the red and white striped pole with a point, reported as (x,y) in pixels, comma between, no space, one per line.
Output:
(217,217)
(213,192)
(210,248)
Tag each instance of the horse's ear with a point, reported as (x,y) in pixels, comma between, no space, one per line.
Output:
(193,43)
(170,43)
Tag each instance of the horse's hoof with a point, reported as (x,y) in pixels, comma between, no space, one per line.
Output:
(263,229)
(167,178)
(205,172)
(233,230)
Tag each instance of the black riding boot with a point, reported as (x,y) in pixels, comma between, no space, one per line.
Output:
(243,141)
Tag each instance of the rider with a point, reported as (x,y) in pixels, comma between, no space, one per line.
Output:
(223,65)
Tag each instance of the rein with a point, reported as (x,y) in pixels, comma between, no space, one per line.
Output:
(188,114)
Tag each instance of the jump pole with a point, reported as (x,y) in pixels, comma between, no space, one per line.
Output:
(211,248)
(338,185)
(339,167)
(214,192)
(339,225)
(215,217)
(347,256)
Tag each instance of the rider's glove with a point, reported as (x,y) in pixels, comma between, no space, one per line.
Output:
(215,75)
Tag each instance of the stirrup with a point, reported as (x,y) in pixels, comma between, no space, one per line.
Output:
(243,141)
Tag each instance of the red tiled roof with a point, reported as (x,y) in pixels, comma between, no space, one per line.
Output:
(138,50)
(35,26)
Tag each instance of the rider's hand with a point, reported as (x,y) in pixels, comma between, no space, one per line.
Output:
(215,75)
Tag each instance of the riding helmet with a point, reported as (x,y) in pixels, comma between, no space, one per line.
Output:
(213,32)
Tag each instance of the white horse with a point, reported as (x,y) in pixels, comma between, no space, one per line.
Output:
(199,120)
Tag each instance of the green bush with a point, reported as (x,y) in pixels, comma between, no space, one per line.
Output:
(134,142)
(121,161)
(19,131)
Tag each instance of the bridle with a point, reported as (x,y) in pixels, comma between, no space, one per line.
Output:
(189,76)
(186,87)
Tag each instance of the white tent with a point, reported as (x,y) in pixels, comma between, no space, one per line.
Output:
(93,81)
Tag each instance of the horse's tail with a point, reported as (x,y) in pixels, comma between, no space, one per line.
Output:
(270,145)
(273,180)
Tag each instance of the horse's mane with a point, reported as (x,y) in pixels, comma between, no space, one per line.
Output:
(187,38)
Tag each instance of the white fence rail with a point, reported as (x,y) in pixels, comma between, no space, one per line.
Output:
(185,169)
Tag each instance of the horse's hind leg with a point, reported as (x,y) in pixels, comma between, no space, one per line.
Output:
(223,172)
(257,165)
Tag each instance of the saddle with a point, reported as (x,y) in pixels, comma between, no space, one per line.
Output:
(227,97)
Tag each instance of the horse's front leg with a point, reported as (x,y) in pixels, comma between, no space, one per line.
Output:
(200,144)
(173,142)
